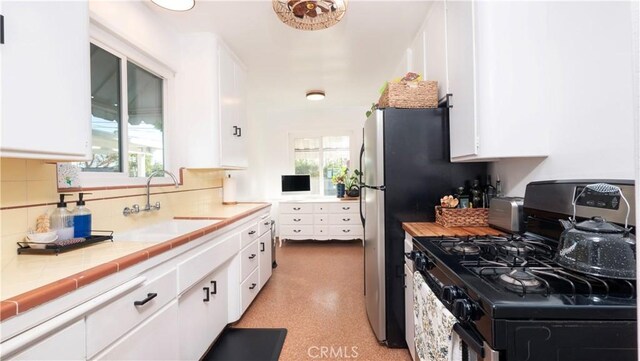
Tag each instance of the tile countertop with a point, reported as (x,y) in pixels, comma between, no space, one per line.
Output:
(30,280)
(431,229)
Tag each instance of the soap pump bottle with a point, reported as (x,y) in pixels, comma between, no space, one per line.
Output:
(62,220)
(81,218)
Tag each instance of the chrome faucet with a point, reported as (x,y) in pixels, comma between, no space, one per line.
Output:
(148,206)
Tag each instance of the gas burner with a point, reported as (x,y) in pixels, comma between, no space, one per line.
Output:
(516,248)
(520,280)
(466,248)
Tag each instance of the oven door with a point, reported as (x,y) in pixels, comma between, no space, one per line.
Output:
(438,334)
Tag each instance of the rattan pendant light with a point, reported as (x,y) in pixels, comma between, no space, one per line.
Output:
(310,14)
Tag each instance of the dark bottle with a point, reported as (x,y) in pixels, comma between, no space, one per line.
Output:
(489,191)
(476,194)
(463,198)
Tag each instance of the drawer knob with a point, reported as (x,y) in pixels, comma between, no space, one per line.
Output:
(296,219)
(253,285)
(346,208)
(252,232)
(150,296)
(266,223)
(253,255)
(346,230)
(296,231)
(296,208)
(346,219)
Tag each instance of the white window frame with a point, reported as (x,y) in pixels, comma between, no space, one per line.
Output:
(127,52)
(319,134)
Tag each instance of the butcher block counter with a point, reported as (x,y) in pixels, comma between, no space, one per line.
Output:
(432,229)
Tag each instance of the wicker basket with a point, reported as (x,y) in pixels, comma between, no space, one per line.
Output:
(412,94)
(462,217)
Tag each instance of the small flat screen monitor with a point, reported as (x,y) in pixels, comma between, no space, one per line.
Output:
(296,183)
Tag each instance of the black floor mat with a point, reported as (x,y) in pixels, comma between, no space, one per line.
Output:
(247,344)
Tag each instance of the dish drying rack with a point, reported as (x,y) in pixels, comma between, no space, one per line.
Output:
(66,245)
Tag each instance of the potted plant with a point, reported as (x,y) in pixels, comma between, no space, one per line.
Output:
(338,179)
(352,184)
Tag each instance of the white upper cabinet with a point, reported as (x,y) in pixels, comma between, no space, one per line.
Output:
(496,59)
(46,92)
(210,130)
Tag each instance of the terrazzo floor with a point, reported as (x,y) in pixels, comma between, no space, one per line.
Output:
(316,293)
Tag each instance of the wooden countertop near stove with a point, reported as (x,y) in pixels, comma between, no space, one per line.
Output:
(432,229)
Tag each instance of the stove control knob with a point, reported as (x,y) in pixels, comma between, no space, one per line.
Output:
(451,293)
(423,263)
(464,309)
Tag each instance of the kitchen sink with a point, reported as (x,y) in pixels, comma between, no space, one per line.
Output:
(163,231)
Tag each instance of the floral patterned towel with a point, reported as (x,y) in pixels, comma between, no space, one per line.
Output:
(433,323)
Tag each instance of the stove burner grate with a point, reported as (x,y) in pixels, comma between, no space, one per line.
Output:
(466,248)
(522,281)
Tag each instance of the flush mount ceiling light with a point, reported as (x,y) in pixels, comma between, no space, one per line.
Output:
(175,5)
(310,14)
(315,95)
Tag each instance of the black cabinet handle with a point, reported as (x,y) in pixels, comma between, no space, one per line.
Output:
(206,294)
(235,130)
(252,232)
(261,246)
(346,208)
(253,255)
(346,230)
(239,132)
(296,219)
(150,296)
(266,223)
(296,231)
(214,286)
(1,29)
(346,219)
(296,208)
(253,285)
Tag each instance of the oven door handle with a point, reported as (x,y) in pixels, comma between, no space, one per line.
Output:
(472,341)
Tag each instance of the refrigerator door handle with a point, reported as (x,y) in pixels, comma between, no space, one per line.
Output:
(378,188)
(360,182)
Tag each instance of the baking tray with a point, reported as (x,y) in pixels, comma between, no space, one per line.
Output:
(52,248)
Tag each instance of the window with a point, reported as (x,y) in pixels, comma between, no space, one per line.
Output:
(131,144)
(321,158)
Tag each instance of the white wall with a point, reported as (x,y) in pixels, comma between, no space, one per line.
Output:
(269,148)
(592,114)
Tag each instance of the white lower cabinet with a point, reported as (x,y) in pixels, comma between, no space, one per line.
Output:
(67,344)
(320,220)
(203,314)
(154,339)
(249,289)
(265,261)
(409,318)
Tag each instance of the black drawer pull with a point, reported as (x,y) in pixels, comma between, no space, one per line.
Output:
(297,219)
(346,208)
(297,231)
(346,230)
(346,219)
(253,255)
(296,208)
(252,232)
(206,294)
(261,246)
(253,285)
(150,296)
(266,223)
(214,286)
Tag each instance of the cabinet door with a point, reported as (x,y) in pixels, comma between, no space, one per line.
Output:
(265,258)
(155,339)
(67,344)
(203,314)
(408,311)
(46,92)
(233,130)
(462,79)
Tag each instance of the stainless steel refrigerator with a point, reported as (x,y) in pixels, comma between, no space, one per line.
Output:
(406,170)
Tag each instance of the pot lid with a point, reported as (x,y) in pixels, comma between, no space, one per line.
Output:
(599,225)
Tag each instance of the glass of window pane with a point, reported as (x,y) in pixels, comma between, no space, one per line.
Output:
(335,153)
(145,126)
(105,112)
(307,160)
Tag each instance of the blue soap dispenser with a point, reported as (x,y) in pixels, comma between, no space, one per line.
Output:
(81,218)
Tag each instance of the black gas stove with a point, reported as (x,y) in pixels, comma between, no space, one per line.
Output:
(514,302)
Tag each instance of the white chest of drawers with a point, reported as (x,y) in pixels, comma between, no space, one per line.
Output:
(319,220)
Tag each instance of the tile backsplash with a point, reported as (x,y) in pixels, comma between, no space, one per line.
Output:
(28,188)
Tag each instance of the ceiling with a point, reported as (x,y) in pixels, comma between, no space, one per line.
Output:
(350,60)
